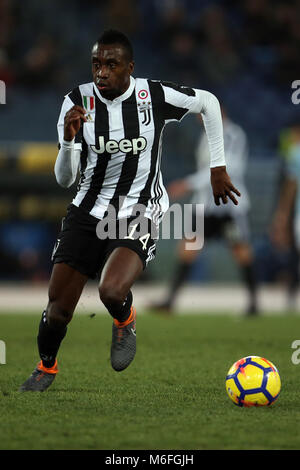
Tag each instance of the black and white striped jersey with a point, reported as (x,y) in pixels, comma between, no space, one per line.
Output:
(121,145)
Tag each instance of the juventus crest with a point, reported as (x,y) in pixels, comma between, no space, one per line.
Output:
(145,108)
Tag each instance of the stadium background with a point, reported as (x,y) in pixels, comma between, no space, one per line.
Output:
(246,52)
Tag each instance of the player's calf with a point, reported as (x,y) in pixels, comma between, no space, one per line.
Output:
(50,335)
(57,316)
(117,300)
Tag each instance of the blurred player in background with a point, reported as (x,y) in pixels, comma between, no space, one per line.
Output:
(227,222)
(111,130)
(285,229)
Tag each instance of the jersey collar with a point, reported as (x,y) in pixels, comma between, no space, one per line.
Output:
(120,98)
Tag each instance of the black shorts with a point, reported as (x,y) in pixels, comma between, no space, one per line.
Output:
(79,246)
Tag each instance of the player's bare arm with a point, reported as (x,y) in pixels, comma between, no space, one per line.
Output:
(280,230)
(72,123)
(222,186)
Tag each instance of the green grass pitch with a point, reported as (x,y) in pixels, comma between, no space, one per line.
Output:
(171,397)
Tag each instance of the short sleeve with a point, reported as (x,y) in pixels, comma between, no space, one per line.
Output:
(179,101)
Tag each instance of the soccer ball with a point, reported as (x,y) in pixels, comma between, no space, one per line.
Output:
(253,381)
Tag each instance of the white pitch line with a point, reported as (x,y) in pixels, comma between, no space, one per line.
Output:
(192,298)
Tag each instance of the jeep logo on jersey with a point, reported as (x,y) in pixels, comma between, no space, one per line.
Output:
(134,146)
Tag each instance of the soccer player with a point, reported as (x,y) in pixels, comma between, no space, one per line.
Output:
(111,129)
(285,228)
(227,222)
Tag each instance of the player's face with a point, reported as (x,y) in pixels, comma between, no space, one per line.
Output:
(111,70)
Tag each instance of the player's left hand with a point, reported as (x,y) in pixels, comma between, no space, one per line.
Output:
(222,186)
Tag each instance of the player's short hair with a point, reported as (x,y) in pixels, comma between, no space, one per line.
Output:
(113,36)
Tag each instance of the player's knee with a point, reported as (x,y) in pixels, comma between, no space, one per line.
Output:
(111,294)
(57,317)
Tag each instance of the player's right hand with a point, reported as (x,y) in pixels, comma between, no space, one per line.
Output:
(72,121)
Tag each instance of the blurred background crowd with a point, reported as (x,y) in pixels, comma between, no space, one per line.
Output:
(246,52)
